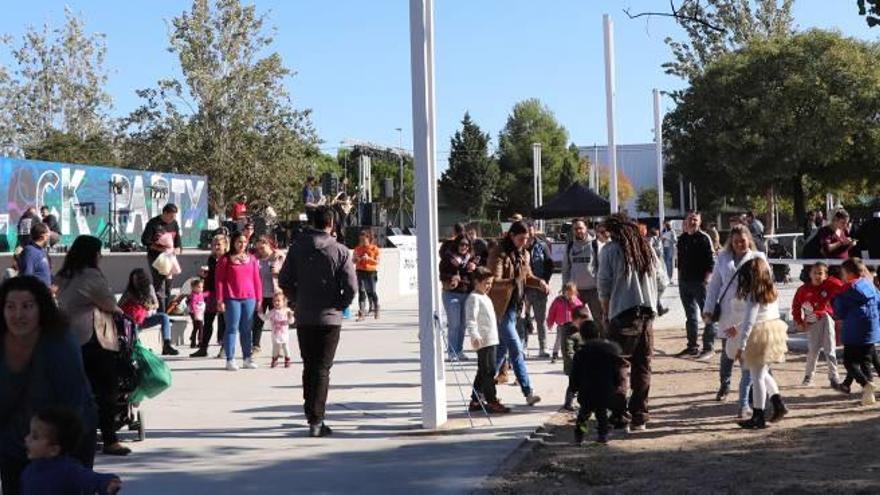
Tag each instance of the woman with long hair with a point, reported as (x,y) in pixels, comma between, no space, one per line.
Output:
(84,294)
(457,264)
(721,292)
(762,339)
(238,287)
(271,260)
(140,303)
(629,281)
(40,366)
(510,267)
(219,248)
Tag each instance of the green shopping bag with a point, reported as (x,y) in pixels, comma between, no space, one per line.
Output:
(154,376)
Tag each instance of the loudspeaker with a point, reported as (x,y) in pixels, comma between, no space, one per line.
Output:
(373,214)
(388,188)
(352,233)
(330,184)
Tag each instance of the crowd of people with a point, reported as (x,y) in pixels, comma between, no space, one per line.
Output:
(614,275)
(58,369)
(60,334)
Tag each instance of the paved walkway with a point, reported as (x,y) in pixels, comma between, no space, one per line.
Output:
(231,433)
(236,433)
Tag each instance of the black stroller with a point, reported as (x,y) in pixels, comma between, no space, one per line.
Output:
(127,414)
(781,272)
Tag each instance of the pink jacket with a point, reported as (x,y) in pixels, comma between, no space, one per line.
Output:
(235,281)
(560,310)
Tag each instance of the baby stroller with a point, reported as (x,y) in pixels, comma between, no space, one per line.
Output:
(781,273)
(128,414)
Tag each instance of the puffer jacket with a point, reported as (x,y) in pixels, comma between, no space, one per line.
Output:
(859,308)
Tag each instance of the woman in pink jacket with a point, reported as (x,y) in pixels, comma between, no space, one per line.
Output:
(238,289)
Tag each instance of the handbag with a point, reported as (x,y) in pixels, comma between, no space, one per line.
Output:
(716,313)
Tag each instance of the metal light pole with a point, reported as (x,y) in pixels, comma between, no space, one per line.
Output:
(658,144)
(433,379)
(400,156)
(610,91)
(537,178)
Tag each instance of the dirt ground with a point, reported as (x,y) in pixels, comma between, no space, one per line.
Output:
(827,444)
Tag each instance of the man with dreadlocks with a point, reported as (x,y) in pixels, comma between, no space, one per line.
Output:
(629,281)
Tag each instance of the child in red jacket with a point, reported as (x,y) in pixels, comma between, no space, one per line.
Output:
(813,314)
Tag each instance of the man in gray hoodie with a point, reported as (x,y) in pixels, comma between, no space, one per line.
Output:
(579,266)
(319,280)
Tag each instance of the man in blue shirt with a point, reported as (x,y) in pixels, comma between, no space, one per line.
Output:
(33,260)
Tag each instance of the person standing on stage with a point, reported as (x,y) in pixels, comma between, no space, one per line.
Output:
(52,222)
(156,233)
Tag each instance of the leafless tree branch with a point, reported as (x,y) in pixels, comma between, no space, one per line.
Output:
(675,14)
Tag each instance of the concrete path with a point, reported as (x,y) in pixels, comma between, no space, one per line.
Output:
(220,433)
(231,433)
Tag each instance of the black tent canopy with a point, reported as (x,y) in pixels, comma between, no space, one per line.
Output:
(577,201)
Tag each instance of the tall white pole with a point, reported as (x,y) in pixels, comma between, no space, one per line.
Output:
(421,29)
(537,172)
(658,144)
(610,91)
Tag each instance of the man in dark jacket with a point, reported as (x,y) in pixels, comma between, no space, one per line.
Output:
(155,228)
(696,259)
(51,222)
(319,280)
(33,260)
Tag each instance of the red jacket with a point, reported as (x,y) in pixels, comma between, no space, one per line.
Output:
(816,297)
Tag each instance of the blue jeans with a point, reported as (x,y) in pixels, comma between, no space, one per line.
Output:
(669,258)
(511,343)
(726,374)
(693,298)
(239,316)
(159,319)
(453,304)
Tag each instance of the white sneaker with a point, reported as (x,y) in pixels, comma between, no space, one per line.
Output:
(231,365)
(745,412)
(868,394)
(249,365)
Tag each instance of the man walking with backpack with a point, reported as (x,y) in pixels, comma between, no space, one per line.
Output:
(542,267)
(579,265)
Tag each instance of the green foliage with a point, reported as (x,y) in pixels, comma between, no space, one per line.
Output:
(70,148)
(779,112)
(529,122)
(229,116)
(574,169)
(727,26)
(55,84)
(647,201)
(472,175)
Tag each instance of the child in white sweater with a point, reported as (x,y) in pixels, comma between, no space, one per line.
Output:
(482,328)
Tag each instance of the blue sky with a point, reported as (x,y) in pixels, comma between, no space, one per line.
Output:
(352,58)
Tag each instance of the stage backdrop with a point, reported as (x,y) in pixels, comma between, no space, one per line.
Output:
(80,197)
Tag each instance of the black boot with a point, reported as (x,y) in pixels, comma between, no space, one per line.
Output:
(579,430)
(756,422)
(779,409)
(167,350)
(569,401)
(723,390)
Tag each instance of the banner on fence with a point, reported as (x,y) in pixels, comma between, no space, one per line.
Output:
(82,196)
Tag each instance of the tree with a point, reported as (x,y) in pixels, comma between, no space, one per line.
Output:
(647,201)
(625,189)
(716,27)
(56,85)
(472,174)
(230,116)
(529,122)
(870,9)
(574,169)
(769,117)
(70,148)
